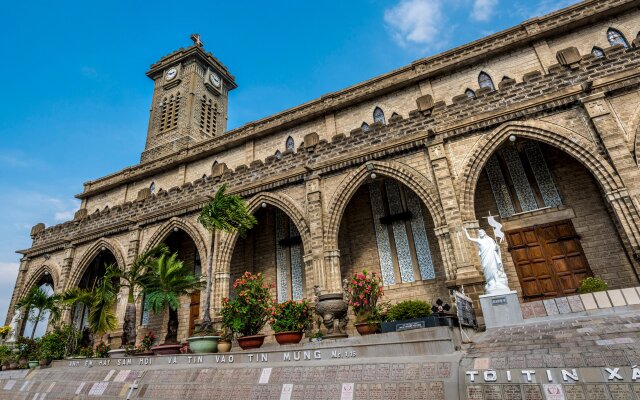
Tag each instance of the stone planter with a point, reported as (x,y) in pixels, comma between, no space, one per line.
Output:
(117,353)
(203,344)
(224,346)
(332,308)
(417,323)
(44,363)
(251,342)
(368,328)
(289,337)
(13,365)
(166,349)
(33,364)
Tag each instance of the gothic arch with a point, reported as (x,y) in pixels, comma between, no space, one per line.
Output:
(281,201)
(403,173)
(165,230)
(37,272)
(90,254)
(568,141)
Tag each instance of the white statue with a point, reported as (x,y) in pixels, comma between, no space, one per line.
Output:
(15,326)
(491,260)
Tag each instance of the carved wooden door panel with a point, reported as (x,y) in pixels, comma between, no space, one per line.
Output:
(549,259)
(194,313)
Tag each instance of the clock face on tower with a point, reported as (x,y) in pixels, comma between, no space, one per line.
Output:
(215,79)
(171,73)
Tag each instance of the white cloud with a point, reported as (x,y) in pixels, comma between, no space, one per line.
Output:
(483,9)
(89,72)
(9,272)
(417,22)
(63,215)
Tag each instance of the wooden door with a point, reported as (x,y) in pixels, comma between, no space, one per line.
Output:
(194,313)
(549,259)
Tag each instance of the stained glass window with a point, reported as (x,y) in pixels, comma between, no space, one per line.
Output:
(290,145)
(152,187)
(615,37)
(485,81)
(470,93)
(598,52)
(278,155)
(378,115)
(365,127)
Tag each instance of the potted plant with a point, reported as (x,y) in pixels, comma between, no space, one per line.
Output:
(147,342)
(226,213)
(289,320)
(408,314)
(5,357)
(363,291)
(54,345)
(203,341)
(225,342)
(166,281)
(102,350)
(27,352)
(248,312)
(4,331)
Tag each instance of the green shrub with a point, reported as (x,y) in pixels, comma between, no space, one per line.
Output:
(53,345)
(6,355)
(590,285)
(27,348)
(409,309)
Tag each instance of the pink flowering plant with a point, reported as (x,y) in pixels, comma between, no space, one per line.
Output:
(290,316)
(148,341)
(248,312)
(364,290)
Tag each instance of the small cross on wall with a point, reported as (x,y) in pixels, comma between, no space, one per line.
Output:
(196,40)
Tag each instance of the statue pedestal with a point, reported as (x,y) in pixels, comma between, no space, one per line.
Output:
(501,309)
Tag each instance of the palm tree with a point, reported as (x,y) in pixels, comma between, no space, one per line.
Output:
(133,279)
(163,284)
(100,300)
(227,213)
(38,299)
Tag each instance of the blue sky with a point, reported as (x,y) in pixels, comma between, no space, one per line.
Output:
(75,97)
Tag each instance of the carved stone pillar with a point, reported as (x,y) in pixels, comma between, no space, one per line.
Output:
(221,272)
(461,256)
(325,266)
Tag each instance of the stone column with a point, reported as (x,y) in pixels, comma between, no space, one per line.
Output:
(67,265)
(323,265)
(221,272)
(22,274)
(458,252)
(625,201)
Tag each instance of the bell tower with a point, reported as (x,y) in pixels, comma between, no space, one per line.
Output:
(189,102)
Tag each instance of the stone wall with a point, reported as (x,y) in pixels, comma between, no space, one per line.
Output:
(585,108)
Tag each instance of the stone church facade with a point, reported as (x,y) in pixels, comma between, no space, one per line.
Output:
(538,125)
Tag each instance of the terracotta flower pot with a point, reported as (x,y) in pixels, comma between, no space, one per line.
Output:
(251,342)
(224,346)
(368,328)
(289,337)
(44,363)
(166,349)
